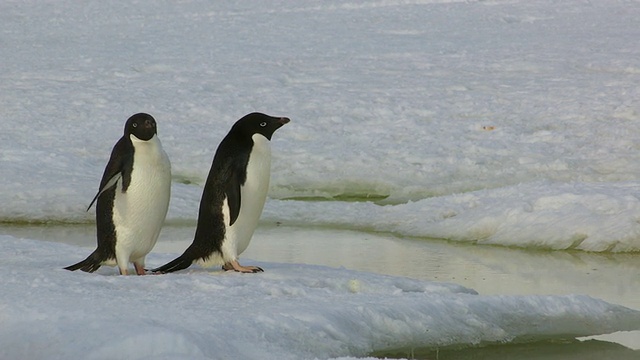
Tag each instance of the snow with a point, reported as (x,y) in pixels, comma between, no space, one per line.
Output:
(289,312)
(502,122)
(475,108)
(567,216)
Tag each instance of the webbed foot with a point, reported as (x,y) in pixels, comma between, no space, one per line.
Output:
(235,266)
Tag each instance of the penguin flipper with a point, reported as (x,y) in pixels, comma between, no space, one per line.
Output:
(180,263)
(90,264)
(108,185)
(234,200)
(119,166)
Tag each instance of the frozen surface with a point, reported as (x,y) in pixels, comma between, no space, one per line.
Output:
(581,216)
(502,122)
(289,312)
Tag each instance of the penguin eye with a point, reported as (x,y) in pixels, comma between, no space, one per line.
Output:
(135,125)
(263,124)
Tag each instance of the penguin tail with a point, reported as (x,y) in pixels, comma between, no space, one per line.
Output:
(180,263)
(90,264)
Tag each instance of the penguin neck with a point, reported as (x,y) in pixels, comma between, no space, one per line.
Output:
(259,166)
(261,145)
(153,142)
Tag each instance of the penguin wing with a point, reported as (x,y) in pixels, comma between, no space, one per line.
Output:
(108,185)
(119,166)
(232,192)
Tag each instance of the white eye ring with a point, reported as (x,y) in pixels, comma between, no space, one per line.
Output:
(263,124)
(135,125)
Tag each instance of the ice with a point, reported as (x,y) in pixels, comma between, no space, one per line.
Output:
(289,312)
(544,215)
(509,123)
(418,104)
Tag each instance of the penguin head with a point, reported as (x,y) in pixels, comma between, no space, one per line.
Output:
(142,126)
(258,123)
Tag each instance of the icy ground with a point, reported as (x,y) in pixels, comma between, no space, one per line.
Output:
(288,312)
(503,122)
(492,116)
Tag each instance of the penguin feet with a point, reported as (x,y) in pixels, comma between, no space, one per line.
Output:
(140,270)
(235,266)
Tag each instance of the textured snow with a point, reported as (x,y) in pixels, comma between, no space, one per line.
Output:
(289,312)
(509,123)
(502,113)
(580,216)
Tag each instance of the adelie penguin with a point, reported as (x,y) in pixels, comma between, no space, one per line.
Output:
(233,196)
(133,199)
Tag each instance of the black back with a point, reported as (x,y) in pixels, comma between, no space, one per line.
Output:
(228,173)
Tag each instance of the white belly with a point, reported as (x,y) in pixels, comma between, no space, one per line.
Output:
(253,196)
(138,214)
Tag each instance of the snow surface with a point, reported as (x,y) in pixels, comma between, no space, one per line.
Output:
(580,216)
(289,312)
(491,116)
(502,122)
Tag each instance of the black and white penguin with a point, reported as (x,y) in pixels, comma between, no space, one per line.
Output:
(133,199)
(233,196)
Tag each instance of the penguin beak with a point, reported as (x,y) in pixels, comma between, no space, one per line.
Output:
(282,121)
(148,124)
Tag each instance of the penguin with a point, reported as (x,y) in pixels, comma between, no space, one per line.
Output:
(233,196)
(133,199)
